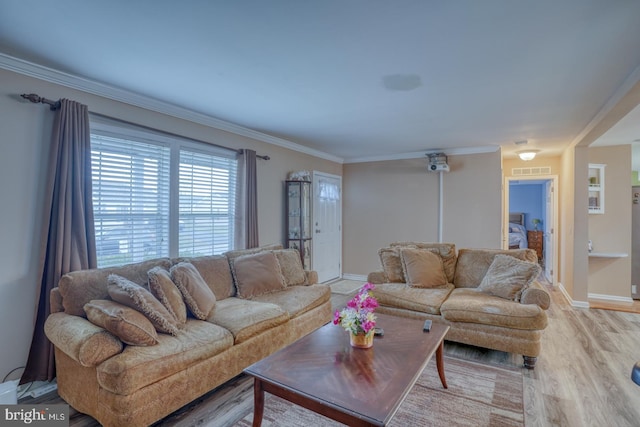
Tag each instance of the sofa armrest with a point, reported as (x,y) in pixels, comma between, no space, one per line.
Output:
(377,277)
(81,340)
(312,277)
(536,294)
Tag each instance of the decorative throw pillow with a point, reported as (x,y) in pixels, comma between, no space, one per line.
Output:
(391,264)
(291,266)
(423,268)
(257,274)
(198,296)
(447,252)
(507,277)
(163,288)
(131,326)
(135,296)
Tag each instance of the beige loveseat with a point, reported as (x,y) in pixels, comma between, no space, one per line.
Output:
(134,385)
(512,322)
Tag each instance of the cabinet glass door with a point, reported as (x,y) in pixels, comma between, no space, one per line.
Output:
(298,227)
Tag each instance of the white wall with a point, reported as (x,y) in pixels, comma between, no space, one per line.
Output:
(25,134)
(398,200)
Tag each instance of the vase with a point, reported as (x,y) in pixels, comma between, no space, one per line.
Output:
(361,340)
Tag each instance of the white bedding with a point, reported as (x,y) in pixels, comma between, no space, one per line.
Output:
(517,236)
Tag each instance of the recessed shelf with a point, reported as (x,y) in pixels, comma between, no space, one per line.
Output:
(608,255)
(596,188)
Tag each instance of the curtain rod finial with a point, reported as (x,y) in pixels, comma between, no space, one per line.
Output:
(31,97)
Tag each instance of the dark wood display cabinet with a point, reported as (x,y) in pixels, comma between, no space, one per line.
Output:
(298,211)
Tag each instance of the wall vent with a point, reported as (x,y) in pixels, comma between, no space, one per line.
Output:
(541,170)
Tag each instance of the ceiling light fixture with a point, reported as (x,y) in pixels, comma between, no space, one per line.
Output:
(527,155)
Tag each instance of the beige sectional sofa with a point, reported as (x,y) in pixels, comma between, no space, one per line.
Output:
(255,305)
(476,294)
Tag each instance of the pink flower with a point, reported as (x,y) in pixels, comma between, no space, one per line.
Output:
(336,317)
(368,325)
(370,303)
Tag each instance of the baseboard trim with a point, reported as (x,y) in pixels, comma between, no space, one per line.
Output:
(572,303)
(614,298)
(354,277)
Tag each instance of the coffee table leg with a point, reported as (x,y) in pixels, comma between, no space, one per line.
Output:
(258,402)
(440,364)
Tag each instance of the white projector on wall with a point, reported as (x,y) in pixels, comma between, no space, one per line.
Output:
(439,168)
(437,163)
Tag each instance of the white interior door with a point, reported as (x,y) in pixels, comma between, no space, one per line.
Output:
(635,245)
(549,232)
(327,226)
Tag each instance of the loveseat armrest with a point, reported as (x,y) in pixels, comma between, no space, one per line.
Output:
(81,340)
(312,277)
(377,277)
(536,294)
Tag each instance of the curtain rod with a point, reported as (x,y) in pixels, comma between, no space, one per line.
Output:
(56,104)
(40,100)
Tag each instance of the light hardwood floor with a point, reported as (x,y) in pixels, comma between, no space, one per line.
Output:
(582,377)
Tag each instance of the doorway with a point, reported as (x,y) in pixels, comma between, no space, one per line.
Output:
(635,242)
(327,226)
(536,199)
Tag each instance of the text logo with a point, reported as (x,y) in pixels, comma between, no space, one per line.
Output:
(34,415)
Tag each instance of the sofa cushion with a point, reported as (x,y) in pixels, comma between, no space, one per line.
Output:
(507,277)
(473,264)
(163,288)
(422,268)
(473,306)
(298,299)
(392,264)
(291,266)
(400,295)
(257,274)
(131,326)
(447,252)
(245,318)
(79,287)
(135,296)
(216,272)
(197,295)
(137,367)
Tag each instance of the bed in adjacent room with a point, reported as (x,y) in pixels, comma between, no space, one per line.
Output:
(517,231)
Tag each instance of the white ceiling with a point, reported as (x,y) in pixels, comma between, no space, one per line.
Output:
(353,78)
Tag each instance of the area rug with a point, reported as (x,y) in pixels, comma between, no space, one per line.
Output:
(345,287)
(478,395)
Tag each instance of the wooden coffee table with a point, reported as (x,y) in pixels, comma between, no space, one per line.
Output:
(357,387)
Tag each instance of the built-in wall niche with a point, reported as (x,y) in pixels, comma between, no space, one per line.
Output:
(596,188)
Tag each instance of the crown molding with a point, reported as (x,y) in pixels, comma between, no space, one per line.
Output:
(613,110)
(422,154)
(51,75)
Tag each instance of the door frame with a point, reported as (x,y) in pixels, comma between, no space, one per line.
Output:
(554,226)
(314,251)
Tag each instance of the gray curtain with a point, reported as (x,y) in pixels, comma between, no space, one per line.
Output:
(68,241)
(251,200)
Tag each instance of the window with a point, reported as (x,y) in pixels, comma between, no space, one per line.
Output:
(207,203)
(158,196)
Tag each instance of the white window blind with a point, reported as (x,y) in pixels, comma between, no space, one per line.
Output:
(158,196)
(130,199)
(207,203)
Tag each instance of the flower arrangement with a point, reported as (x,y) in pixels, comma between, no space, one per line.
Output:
(357,317)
